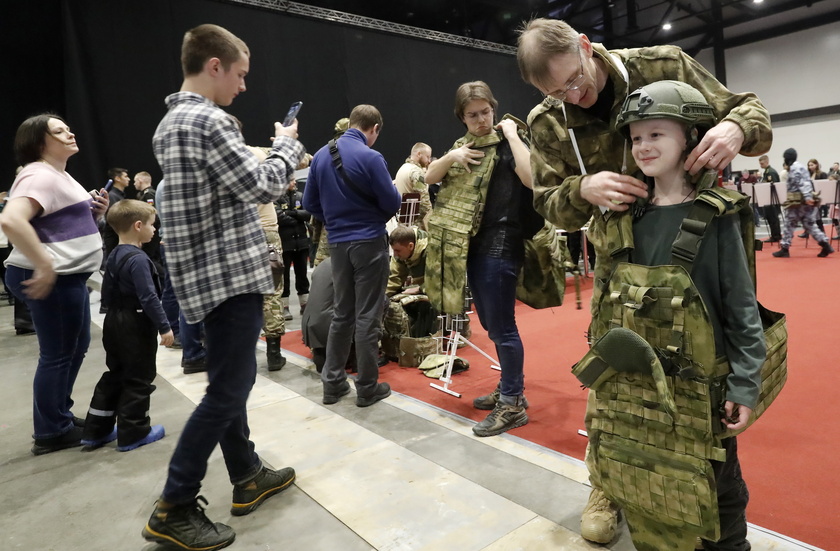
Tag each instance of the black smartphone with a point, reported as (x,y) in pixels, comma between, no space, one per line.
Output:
(292,114)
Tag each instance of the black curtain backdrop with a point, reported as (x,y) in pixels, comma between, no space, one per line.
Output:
(31,32)
(121,59)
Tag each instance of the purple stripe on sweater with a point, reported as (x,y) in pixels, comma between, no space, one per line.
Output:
(68,223)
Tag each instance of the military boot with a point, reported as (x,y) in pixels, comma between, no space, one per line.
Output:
(782,253)
(276,361)
(287,315)
(599,519)
(826,249)
(303,300)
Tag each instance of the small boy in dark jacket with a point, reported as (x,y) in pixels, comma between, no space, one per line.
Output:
(131,292)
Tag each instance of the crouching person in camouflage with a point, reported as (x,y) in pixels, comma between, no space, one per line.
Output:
(581,164)
(410,319)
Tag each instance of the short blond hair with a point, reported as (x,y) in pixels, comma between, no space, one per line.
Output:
(540,40)
(125,213)
(420,146)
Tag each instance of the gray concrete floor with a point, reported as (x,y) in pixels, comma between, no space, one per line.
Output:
(400,475)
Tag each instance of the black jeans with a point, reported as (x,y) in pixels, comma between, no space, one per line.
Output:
(232,330)
(123,392)
(733,497)
(299,260)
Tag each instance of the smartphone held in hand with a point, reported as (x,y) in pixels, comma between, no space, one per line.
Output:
(293,112)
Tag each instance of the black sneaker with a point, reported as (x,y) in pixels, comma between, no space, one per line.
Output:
(187,527)
(331,395)
(247,497)
(503,418)
(488,401)
(383,390)
(826,249)
(194,366)
(70,439)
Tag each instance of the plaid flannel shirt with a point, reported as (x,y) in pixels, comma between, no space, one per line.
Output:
(215,246)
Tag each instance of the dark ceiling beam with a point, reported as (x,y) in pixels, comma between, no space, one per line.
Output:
(758,14)
(701,15)
(607,16)
(632,24)
(801,25)
(718,47)
(662,21)
(704,42)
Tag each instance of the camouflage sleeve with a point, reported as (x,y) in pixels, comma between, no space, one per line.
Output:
(556,195)
(418,183)
(745,110)
(399,271)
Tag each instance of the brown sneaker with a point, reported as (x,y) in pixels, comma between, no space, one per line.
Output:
(599,519)
(503,418)
(488,401)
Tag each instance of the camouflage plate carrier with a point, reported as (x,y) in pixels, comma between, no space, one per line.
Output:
(658,384)
(406,339)
(456,217)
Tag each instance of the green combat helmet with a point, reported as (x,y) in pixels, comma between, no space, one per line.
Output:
(667,99)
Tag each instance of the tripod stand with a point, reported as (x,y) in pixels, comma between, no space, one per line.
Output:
(452,326)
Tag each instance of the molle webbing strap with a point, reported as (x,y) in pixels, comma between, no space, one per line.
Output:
(693,228)
(708,204)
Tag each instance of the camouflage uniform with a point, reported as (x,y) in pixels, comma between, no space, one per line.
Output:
(273,323)
(555,167)
(557,174)
(409,320)
(319,235)
(799,190)
(409,178)
(409,272)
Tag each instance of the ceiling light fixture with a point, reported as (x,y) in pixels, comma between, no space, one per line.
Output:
(666,26)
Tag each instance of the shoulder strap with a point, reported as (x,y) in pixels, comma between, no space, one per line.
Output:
(110,291)
(339,166)
(710,203)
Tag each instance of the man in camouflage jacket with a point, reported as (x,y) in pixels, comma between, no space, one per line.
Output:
(585,87)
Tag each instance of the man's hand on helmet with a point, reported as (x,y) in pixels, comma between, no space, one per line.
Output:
(717,148)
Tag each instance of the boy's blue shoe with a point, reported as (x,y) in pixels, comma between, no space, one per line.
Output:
(154,435)
(89,445)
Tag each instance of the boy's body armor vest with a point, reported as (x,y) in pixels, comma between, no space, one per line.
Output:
(659,387)
(456,217)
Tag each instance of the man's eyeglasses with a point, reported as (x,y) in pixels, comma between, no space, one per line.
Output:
(555,98)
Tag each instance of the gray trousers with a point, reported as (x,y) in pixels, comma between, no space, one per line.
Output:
(805,214)
(360,273)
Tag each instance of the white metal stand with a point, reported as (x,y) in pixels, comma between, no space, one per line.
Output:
(409,210)
(449,345)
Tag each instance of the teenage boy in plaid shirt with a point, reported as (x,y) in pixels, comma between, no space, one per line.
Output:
(216,254)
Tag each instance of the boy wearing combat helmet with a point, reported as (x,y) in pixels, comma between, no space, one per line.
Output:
(664,121)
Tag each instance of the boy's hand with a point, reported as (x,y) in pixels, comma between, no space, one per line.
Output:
(737,415)
(167,338)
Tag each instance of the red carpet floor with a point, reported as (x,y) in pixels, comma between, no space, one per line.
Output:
(786,456)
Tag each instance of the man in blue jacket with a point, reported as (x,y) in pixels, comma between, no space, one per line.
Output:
(350,189)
